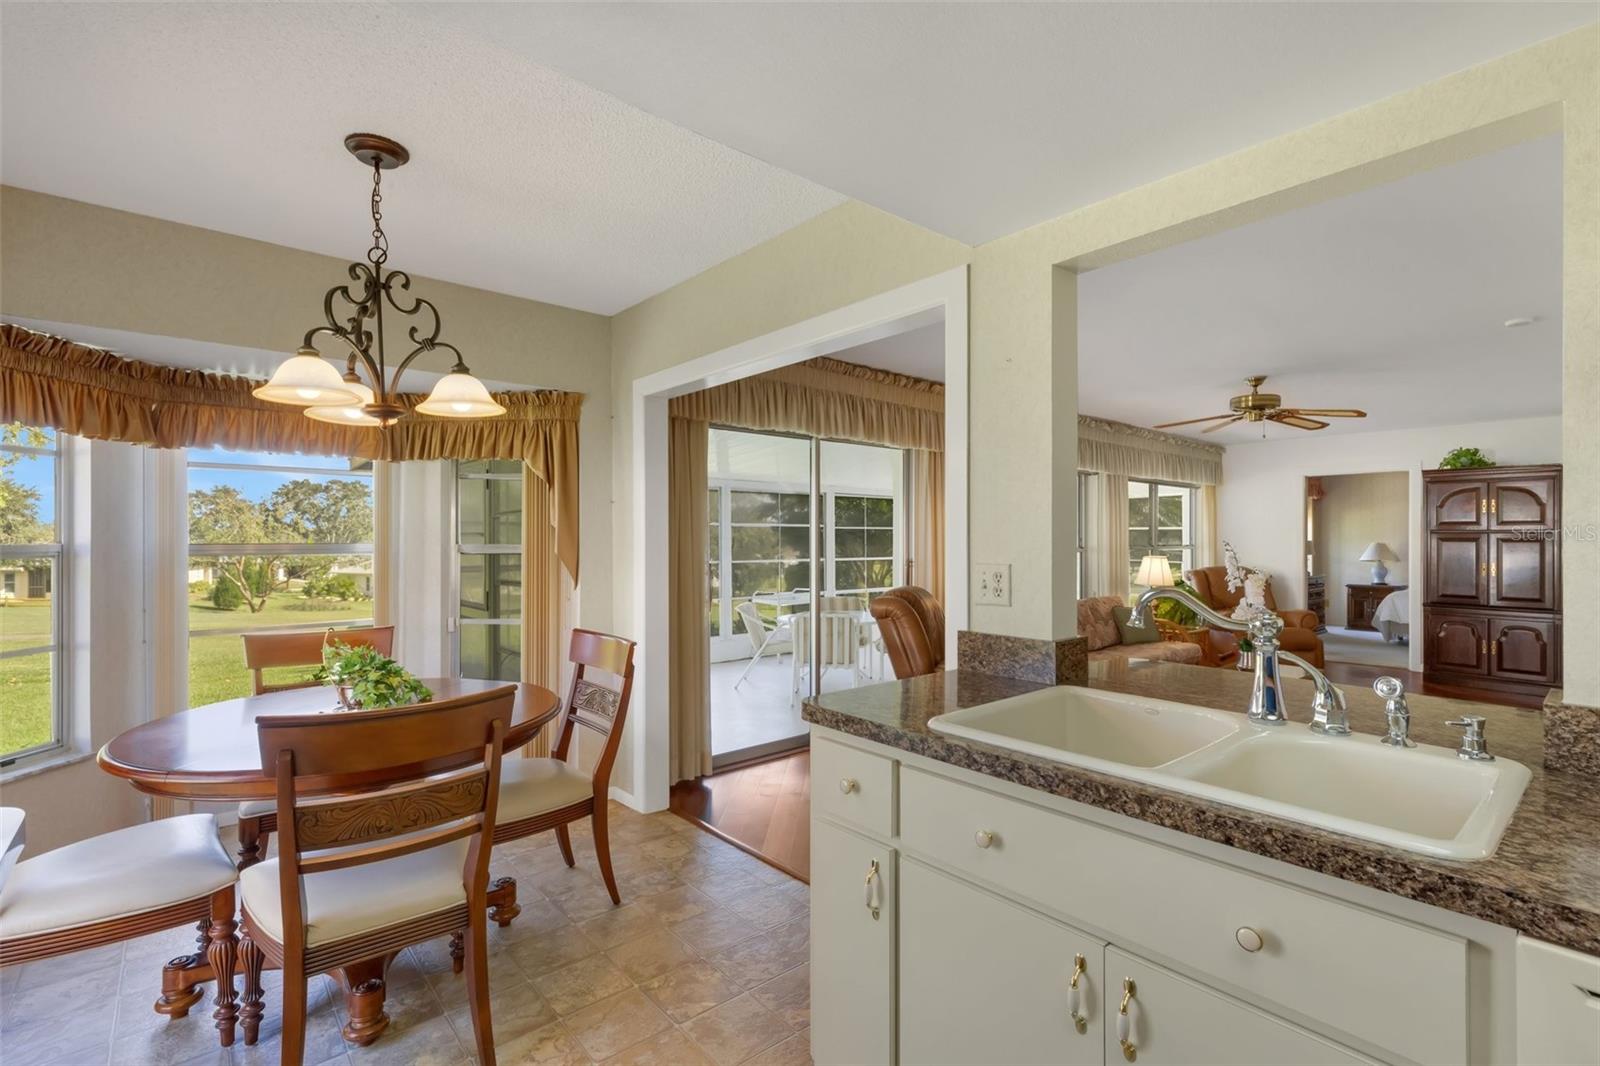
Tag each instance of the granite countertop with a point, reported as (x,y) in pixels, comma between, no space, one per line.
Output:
(1544,880)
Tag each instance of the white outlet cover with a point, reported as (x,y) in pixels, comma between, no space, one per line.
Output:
(992,584)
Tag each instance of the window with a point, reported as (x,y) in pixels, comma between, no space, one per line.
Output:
(714,564)
(32,701)
(1160,522)
(769,544)
(489,569)
(1083,530)
(275,542)
(863,544)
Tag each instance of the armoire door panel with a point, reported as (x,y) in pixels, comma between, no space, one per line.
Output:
(1458,569)
(1456,642)
(1523,649)
(1523,503)
(1522,571)
(1458,505)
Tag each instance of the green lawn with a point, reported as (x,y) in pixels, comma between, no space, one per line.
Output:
(216,661)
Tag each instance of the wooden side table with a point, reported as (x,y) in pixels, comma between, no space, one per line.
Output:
(1361,603)
(1200,635)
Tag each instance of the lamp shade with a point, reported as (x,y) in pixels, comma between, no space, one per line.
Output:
(1155,571)
(460,395)
(305,379)
(1378,552)
(347,414)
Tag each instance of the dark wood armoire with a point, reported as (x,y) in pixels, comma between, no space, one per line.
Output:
(1491,614)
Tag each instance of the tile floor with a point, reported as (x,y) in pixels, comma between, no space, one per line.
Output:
(705,962)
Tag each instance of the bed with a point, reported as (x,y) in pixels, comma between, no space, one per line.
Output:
(1393,616)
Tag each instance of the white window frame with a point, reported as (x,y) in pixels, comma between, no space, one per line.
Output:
(728,644)
(896,556)
(218,551)
(457,623)
(1189,511)
(60,601)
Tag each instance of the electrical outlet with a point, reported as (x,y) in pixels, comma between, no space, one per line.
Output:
(993,584)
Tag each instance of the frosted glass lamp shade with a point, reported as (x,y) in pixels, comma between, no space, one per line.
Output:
(460,395)
(305,379)
(347,414)
(1155,571)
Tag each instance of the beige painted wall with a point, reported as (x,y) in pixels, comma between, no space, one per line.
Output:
(1023,335)
(1357,510)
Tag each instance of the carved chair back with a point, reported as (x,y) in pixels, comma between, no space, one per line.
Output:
(407,779)
(265,650)
(598,702)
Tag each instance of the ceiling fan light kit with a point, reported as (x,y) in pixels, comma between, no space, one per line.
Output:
(306,380)
(1264,407)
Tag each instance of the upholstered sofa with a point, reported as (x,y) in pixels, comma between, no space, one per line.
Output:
(1099,628)
(1299,627)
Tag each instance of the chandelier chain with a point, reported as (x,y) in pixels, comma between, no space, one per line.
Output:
(378,254)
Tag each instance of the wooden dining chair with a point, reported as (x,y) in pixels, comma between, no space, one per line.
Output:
(121,885)
(540,794)
(264,651)
(398,854)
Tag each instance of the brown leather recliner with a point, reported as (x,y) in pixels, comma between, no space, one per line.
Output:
(1299,627)
(911,623)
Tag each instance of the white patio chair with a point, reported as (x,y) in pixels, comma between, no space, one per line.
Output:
(777,638)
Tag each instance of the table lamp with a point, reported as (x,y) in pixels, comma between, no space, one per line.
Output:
(1155,571)
(1377,554)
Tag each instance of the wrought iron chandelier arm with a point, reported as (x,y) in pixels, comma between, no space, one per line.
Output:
(431,346)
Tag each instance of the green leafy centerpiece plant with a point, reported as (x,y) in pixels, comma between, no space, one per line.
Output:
(1465,459)
(368,679)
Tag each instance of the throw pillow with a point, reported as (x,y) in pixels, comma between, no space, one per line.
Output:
(1132,634)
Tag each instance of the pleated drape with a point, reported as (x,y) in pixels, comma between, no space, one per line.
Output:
(925,547)
(689,591)
(1207,552)
(542,636)
(1107,563)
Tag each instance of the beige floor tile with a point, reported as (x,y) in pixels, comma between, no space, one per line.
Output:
(79,964)
(323,1039)
(538,915)
(796,933)
(737,1030)
(617,1023)
(789,996)
(571,988)
(621,924)
(760,958)
(689,990)
(731,886)
(651,955)
(552,1045)
(583,901)
(795,1051)
(179,1040)
(54,1042)
(772,906)
(514,1009)
(561,947)
(451,987)
(429,1043)
(671,1047)
(714,930)
(677,904)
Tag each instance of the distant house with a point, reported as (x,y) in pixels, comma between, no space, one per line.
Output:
(24,583)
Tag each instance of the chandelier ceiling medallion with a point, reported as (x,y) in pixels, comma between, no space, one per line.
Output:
(306,380)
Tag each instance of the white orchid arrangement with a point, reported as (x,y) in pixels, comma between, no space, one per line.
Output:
(1252,582)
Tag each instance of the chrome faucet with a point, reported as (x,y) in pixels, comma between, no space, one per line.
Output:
(1330,714)
(1395,711)
(1266,694)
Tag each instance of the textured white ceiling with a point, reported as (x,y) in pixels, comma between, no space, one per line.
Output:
(977,120)
(918,352)
(233,117)
(1392,300)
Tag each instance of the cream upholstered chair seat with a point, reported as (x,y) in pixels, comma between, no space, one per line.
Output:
(128,871)
(534,786)
(357,899)
(257,808)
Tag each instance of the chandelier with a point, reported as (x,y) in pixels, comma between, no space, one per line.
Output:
(306,380)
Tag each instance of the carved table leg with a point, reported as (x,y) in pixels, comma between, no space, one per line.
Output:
(181,978)
(222,954)
(363,999)
(503,905)
(458,951)
(250,1011)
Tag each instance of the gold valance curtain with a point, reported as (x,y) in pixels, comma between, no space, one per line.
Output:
(90,392)
(1132,451)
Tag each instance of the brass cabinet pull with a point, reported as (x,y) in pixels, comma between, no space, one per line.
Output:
(1130,1051)
(1075,995)
(1483,647)
(1494,505)
(872,889)
(1483,506)
(848,785)
(984,838)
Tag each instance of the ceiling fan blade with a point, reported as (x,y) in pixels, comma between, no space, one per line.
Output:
(1328,412)
(1222,425)
(1289,418)
(1191,421)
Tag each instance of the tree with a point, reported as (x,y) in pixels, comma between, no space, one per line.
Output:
(224,516)
(19,503)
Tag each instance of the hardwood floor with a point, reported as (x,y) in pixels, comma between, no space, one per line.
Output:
(763,809)
(1362,674)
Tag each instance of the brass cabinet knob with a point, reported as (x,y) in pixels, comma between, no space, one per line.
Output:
(848,785)
(983,838)
(1249,939)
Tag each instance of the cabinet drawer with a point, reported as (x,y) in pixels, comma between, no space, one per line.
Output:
(853,786)
(1394,984)
(1172,1019)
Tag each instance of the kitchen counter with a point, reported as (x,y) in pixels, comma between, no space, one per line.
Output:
(1543,881)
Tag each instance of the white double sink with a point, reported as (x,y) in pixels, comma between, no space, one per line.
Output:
(1422,799)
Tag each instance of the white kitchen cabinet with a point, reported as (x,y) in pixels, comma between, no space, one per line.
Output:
(985,980)
(1169,1019)
(853,899)
(1558,1006)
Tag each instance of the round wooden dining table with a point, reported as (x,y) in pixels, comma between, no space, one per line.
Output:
(211,754)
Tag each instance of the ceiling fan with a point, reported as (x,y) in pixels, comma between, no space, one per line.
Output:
(1258,406)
